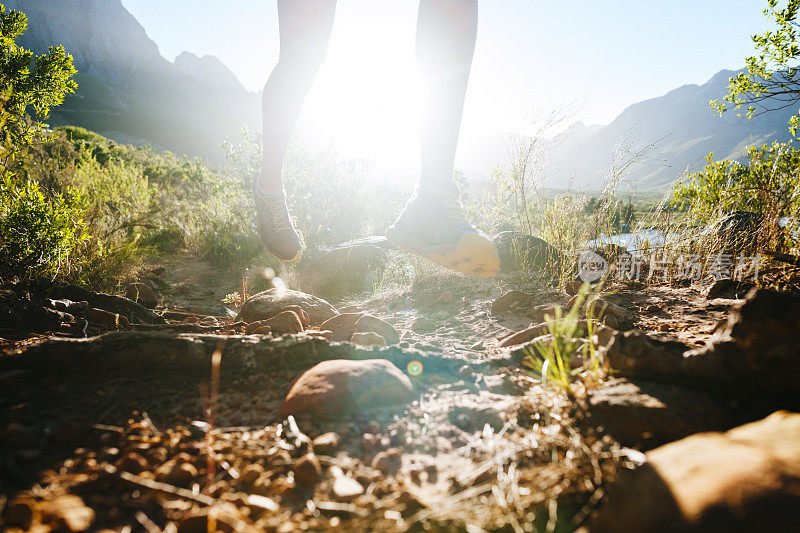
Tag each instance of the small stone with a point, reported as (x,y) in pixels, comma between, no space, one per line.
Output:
(69,512)
(347,488)
(446,298)
(265,304)
(284,322)
(19,513)
(307,469)
(326,443)
(142,293)
(512,301)
(101,316)
(251,473)
(423,325)
(134,463)
(368,338)
(389,461)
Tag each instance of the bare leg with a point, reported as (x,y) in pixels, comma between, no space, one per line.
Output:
(446,31)
(305,29)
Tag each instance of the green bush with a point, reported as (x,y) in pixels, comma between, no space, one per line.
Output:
(38,233)
(768,184)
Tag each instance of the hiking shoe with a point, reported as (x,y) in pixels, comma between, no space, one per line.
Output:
(432,225)
(274,226)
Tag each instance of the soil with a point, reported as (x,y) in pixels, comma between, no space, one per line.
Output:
(486,445)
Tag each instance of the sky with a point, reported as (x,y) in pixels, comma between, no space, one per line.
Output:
(584,59)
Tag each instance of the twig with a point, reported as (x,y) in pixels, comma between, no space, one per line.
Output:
(166,488)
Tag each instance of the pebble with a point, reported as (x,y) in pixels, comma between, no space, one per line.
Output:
(423,325)
(326,443)
(389,461)
(347,488)
(368,338)
(307,469)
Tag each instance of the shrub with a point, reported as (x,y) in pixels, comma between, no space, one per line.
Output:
(38,234)
(768,184)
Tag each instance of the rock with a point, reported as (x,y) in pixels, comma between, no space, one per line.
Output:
(68,512)
(539,312)
(423,325)
(345,325)
(746,479)
(346,488)
(101,316)
(286,322)
(368,338)
(134,463)
(734,231)
(647,414)
(251,473)
(473,418)
(337,387)
(326,443)
(142,293)
(307,469)
(753,356)
(522,252)
(267,304)
(513,301)
(224,517)
(389,461)
(135,312)
(19,513)
(728,288)
(369,323)
(349,268)
(446,298)
(601,307)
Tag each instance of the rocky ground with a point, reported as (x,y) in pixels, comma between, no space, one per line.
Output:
(412,409)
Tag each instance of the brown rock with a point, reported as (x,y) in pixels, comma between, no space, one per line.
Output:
(336,387)
(368,339)
(286,322)
(101,316)
(68,512)
(524,335)
(301,313)
(134,463)
(513,301)
(265,304)
(326,443)
(342,326)
(19,513)
(224,517)
(389,461)
(647,414)
(369,323)
(728,288)
(345,325)
(307,469)
(142,293)
(423,325)
(747,479)
(251,473)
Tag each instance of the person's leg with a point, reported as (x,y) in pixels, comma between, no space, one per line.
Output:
(432,223)
(305,29)
(446,31)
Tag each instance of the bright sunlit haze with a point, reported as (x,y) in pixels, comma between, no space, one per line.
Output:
(587,58)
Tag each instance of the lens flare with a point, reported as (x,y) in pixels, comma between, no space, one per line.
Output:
(278,283)
(269,273)
(414,368)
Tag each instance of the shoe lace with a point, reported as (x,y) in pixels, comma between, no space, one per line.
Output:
(277,215)
(276,211)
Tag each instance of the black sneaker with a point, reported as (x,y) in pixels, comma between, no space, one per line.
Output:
(432,225)
(274,226)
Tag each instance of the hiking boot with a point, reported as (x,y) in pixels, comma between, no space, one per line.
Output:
(432,225)
(274,226)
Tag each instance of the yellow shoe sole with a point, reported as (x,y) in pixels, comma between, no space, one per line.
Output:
(474,254)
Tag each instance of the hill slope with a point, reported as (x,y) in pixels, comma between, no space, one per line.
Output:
(127,90)
(682,128)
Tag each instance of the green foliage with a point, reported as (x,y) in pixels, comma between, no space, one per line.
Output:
(772,79)
(33,84)
(768,184)
(38,233)
(552,357)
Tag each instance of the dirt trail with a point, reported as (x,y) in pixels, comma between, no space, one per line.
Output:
(485,446)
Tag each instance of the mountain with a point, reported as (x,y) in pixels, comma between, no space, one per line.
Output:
(673,133)
(128,91)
